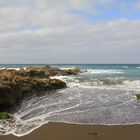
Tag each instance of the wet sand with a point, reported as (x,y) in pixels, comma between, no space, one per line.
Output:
(63,131)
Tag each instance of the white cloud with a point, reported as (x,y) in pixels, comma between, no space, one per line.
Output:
(136,6)
(62,36)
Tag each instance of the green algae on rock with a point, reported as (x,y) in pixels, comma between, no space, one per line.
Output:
(137,96)
(4,115)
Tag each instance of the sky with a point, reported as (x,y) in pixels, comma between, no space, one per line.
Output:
(69,31)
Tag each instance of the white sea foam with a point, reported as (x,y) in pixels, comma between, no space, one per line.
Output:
(101,83)
(64,68)
(82,105)
(138,67)
(91,71)
(10,69)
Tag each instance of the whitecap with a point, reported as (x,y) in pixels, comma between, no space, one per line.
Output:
(17,69)
(91,71)
(138,67)
(66,68)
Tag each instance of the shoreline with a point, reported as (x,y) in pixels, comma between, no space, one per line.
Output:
(66,131)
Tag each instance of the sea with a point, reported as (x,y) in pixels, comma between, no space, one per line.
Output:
(103,94)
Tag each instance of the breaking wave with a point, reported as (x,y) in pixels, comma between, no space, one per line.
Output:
(91,71)
(17,69)
(121,83)
(138,67)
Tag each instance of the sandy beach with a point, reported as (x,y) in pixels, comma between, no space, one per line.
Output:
(63,131)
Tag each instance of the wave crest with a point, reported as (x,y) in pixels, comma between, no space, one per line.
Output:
(117,83)
(91,71)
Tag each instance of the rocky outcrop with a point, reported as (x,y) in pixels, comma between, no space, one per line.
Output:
(9,94)
(45,72)
(12,92)
(32,81)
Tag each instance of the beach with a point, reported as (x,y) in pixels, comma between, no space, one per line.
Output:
(64,131)
(95,101)
(69,70)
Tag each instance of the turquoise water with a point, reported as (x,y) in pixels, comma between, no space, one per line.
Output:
(122,70)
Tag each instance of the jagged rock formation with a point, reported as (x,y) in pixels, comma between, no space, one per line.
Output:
(16,85)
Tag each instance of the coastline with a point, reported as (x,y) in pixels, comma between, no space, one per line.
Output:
(65,131)
(93,99)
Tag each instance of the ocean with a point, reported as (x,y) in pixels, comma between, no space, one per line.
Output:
(101,94)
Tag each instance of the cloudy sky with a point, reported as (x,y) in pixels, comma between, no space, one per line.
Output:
(69,31)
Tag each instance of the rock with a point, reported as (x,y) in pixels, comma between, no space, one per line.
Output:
(34,73)
(74,71)
(137,96)
(9,94)
(48,71)
(4,115)
(15,87)
(57,84)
